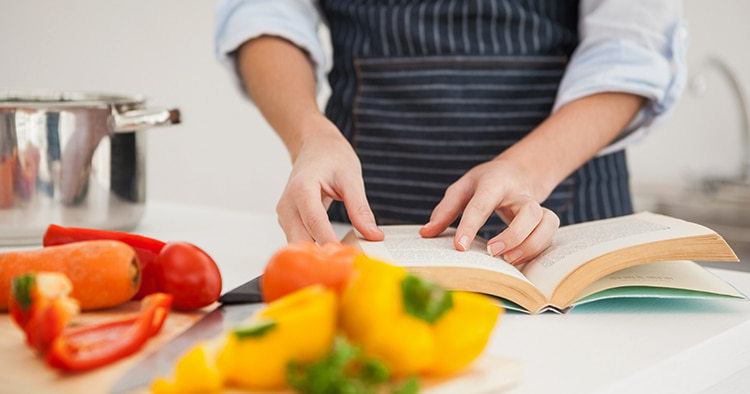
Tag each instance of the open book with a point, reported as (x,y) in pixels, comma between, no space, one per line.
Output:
(639,255)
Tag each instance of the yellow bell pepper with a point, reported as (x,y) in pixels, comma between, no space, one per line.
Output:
(196,372)
(462,333)
(413,325)
(299,327)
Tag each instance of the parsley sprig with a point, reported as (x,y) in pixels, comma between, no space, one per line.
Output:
(345,370)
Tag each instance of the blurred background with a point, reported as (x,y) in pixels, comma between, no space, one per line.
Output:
(224,154)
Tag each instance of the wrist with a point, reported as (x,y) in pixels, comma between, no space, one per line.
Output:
(311,129)
(570,137)
(538,182)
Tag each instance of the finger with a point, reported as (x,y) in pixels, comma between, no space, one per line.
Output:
(447,210)
(522,224)
(358,209)
(291,224)
(536,242)
(475,215)
(314,216)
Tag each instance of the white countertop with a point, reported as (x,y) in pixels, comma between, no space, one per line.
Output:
(620,346)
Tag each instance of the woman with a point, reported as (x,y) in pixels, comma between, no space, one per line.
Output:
(445,110)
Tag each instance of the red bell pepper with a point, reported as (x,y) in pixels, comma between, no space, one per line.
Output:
(146,248)
(41,306)
(88,347)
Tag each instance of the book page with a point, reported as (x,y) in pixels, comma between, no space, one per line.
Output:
(678,274)
(576,244)
(405,247)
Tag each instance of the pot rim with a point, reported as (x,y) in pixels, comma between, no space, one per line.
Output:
(10,98)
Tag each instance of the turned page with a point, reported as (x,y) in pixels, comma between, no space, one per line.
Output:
(576,244)
(404,246)
(677,274)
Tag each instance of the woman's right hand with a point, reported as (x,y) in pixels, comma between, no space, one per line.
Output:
(325,168)
(279,77)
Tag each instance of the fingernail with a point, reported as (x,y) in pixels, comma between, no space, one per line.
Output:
(464,242)
(495,248)
(513,255)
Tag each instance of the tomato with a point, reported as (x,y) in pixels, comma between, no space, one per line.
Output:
(189,274)
(300,265)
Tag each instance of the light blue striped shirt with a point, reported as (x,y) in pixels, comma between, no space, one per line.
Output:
(630,46)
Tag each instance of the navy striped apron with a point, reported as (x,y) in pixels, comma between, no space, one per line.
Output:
(427,89)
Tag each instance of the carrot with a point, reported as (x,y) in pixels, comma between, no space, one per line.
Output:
(103,273)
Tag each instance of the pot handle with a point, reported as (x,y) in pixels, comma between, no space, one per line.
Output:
(141,119)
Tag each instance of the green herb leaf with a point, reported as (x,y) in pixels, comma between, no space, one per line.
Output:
(343,371)
(21,289)
(424,299)
(255,330)
(374,371)
(410,386)
(343,352)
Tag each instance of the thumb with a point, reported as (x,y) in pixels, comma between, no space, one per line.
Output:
(359,211)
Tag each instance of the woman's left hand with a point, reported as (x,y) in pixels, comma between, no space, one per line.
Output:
(496,186)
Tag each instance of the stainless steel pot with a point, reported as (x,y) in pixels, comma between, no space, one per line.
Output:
(76,159)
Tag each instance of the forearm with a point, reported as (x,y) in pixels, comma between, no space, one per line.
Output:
(279,77)
(570,137)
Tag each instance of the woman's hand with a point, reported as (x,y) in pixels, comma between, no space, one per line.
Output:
(496,186)
(325,168)
(279,77)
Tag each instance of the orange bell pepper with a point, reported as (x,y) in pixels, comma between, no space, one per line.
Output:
(300,265)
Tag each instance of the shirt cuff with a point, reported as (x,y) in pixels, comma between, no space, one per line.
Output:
(239,21)
(626,67)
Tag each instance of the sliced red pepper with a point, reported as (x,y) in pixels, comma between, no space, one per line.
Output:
(146,248)
(84,348)
(41,306)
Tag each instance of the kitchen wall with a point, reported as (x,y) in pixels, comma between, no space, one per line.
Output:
(225,155)
(702,138)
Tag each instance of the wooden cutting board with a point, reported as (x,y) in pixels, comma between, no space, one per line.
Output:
(24,371)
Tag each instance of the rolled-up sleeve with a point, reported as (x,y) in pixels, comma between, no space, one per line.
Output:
(629,46)
(297,21)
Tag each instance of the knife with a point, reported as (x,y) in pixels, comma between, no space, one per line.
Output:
(236,306)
